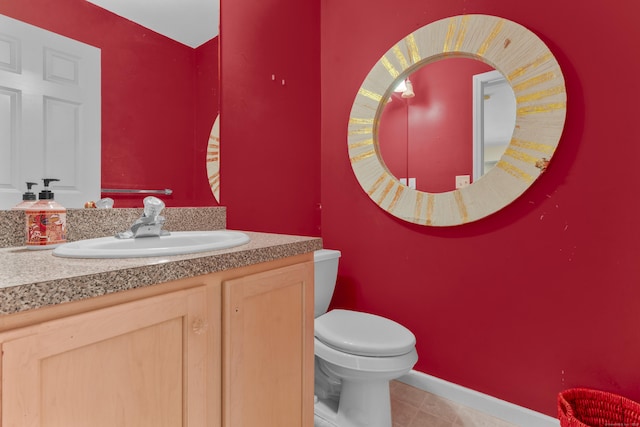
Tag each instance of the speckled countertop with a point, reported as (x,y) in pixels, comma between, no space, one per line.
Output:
(31,279)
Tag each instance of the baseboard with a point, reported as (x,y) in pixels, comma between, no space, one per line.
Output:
(506,411)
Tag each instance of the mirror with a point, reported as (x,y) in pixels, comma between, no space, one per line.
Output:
(455,126)
(428,138)
(150,93)
(536,81)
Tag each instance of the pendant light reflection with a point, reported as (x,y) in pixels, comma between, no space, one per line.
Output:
(408,92)
(406,87)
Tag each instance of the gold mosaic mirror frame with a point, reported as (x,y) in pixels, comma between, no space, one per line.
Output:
(539,88)
(213,159)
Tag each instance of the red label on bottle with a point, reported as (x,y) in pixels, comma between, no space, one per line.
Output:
(46,227)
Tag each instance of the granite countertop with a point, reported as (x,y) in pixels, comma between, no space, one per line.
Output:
(35,278)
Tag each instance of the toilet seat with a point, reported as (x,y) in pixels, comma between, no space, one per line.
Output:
(363,334)
(365,366)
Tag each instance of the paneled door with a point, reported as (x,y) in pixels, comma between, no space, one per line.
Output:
(49,114)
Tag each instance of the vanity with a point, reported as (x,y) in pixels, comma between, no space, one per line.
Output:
(219,338)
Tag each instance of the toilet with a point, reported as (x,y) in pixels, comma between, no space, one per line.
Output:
(356,355)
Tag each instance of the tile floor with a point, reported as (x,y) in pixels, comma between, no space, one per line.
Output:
(412,407)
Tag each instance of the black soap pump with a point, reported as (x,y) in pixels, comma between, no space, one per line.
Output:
(46,221)
(28,198)
(47,194)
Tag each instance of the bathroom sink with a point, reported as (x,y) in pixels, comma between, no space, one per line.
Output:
(177,243)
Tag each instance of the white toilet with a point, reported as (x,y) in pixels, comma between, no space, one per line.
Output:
(356,355)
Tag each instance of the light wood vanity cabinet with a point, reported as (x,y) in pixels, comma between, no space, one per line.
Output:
(229,349)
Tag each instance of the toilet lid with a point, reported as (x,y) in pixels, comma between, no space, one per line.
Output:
(363,334)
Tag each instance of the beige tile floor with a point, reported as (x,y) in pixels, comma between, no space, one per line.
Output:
(412,407)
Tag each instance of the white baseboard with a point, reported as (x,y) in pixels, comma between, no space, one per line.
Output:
(501,409)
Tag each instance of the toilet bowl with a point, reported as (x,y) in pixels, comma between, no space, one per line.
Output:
(356,355)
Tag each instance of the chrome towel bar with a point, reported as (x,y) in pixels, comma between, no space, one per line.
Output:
(166,191)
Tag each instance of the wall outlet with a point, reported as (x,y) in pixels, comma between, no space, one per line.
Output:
(462,181)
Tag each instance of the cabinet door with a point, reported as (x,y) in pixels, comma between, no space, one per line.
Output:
(268,349)
(137,364)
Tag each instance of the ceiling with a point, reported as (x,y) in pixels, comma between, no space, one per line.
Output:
(190,22)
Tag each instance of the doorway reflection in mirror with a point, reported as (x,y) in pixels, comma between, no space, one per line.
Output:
(494,118)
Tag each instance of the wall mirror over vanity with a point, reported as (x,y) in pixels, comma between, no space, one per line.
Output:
(67,111)
(50,110)
(492,138)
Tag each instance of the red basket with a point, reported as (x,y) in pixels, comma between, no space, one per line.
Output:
(581,407)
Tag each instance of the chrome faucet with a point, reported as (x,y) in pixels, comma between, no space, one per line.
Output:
(149,224)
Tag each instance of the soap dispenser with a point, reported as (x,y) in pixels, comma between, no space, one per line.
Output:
(28,198)
(46,221)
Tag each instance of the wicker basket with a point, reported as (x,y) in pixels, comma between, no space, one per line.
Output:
(581,407)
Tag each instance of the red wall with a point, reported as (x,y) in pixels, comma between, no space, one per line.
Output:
(393,139)
(159,99)
(207,97)
(543,295)
(270,115)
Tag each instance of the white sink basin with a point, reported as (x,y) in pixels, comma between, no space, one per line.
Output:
(177,243)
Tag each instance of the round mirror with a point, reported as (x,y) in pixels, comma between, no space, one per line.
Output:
(505,54)
(450,127)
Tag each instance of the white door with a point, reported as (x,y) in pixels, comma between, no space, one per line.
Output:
(494,119)
(49,114)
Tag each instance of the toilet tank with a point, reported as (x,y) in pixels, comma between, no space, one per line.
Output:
(325,275)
